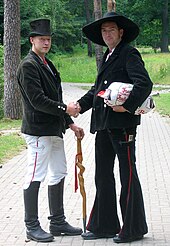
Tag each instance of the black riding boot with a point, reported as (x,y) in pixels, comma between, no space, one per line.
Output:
(58,225)
(34,230)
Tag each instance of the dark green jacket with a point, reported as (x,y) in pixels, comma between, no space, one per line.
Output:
(44,113)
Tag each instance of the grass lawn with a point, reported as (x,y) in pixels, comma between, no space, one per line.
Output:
(8,124)
(10,145)
(78,67)
(163,104)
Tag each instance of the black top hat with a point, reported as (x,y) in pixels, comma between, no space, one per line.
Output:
(93,30)
(40,27)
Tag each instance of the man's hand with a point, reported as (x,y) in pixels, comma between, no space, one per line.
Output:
(119,109)
(79,132)
(73,109)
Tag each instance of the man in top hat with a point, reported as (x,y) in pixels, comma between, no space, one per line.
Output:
(45,119)
(115,129)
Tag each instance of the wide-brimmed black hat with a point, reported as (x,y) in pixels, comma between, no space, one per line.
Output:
(93,30)
(40,27)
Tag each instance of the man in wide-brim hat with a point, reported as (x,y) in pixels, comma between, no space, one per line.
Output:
(93,30)
(115,129)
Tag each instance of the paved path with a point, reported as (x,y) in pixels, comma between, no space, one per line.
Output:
(153,162)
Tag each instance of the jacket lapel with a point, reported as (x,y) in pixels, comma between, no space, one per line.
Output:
(111,59)
(38,60)
(107,63)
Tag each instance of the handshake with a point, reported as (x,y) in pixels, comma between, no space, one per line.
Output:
(73,109)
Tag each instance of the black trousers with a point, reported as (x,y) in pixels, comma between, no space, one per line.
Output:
(104,218)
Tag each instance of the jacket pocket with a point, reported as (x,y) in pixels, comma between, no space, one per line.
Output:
(41,117)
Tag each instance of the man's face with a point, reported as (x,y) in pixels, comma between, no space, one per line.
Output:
(111,34)
(41,44)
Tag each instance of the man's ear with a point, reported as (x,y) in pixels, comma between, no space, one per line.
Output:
(121,32)
(31,40)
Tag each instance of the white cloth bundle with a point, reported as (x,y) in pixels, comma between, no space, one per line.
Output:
(118,92)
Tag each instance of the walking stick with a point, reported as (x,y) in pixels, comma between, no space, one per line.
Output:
(78,163)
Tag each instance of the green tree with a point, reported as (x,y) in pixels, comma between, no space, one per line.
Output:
(65,24)
(152,16)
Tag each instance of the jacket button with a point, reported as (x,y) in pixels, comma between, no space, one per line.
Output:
(105,82)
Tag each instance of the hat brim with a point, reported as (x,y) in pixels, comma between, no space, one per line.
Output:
(34,34)
(93,30)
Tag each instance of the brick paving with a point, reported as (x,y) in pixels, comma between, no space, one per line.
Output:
(153,157)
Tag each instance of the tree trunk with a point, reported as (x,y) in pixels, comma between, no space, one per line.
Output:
(12,98)
(165,28)
(1,22)
(111,5)
(98,15)
(89,43)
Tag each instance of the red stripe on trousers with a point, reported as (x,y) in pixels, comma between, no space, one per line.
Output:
(130,170)
(130,175)
(35,163)
(90,219)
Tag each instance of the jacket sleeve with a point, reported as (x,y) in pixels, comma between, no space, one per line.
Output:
(32,91)
(86,101)
(68,120)
(140,79)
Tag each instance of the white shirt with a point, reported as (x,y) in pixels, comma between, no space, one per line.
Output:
(110,53)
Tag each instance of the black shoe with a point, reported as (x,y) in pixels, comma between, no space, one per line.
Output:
(91,236)
(118,239)
(39,235)
(66,229)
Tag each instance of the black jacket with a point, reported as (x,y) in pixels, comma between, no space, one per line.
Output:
(124,65)
(44,113)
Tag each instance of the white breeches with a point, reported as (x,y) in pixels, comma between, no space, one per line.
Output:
(46,154)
